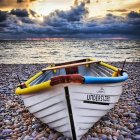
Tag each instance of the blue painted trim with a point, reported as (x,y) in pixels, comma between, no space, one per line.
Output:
(102,80)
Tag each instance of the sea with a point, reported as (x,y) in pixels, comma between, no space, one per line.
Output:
(62,50)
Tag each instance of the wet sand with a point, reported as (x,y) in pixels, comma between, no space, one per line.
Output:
(16,123)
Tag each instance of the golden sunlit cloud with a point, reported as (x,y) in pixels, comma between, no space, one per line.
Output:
(10,4)
(75,2)
(45,7)
(97,8)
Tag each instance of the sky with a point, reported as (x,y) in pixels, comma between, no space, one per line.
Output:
(24,19)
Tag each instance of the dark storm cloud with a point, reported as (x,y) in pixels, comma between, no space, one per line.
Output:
(19,12)
(73,23)
(134,15)
(118,10)
(3,16)
(76,2)
(87,1)
(19,1)
(76,14)
(33,13)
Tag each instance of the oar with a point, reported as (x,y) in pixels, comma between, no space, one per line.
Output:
(115,74)
(21,85)
(122,70)
(123,64)
(70,65)
(19,79)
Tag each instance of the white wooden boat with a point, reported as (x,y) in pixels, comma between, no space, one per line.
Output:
(70,97)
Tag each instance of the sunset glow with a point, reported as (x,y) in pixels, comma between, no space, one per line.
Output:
(96,7)
(69,19)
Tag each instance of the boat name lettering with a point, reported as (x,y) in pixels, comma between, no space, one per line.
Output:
(98,97)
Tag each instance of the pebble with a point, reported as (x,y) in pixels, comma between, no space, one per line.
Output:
(136,137)
(27,137)
(35,126)
(105,118)
(34,134)
(114,138)
(1,118)
(120,137)
(130,126)
(7,131)
(39,136)
(133,115)
(96,138)
(91,138)
(2,137)
(104,137)
(137,130)
(109,137)
(51,136)
(138,108)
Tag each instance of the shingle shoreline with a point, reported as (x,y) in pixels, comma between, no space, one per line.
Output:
(16,123)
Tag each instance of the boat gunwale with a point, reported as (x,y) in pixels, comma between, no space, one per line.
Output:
(87,79)
(103,80)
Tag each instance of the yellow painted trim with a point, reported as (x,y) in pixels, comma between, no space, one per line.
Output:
(106,65)
(115,74)
(33,89)
(30,89)
(87,65)
(91,59)
(109,66)
(52,65)
(33,78)
(46,85)
(54,71)
(115,69)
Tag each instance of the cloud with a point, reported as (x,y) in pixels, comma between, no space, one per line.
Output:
(3,16)
(14,4)
(134,15)
(19,1)
(76,2)
(135,5)
(73,15)
(19,12)
(118,10)
(87,1)
(73,23)
(33,13)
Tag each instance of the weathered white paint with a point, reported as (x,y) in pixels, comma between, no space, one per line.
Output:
(50,106)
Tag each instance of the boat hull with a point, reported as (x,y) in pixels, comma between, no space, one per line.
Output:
(72,109)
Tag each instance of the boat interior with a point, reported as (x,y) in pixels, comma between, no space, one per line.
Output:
(82,67)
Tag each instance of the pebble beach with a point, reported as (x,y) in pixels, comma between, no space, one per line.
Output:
(16,123)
